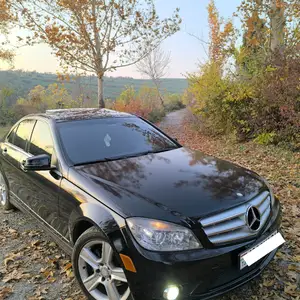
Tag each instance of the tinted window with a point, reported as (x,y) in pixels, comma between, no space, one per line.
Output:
(23,133)
(41,140)
(95,140)
(11,136)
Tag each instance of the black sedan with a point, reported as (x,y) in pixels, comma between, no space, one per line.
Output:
(142,216)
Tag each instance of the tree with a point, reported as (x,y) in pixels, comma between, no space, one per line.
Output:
(222,35)
(155,66)
(96,35)
(40,99)
(277,20)
(280,20)
(5,18)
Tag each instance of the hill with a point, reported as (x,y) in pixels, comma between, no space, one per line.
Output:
(22,82)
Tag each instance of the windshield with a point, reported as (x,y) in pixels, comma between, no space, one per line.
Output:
(88,141)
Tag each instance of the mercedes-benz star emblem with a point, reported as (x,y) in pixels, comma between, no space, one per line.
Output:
(253,218)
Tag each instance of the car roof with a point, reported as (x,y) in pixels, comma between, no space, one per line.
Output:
(74,114)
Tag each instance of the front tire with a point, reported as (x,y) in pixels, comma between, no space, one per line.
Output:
(96,268)
(4,193)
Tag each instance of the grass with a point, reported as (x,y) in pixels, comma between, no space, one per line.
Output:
(3,130)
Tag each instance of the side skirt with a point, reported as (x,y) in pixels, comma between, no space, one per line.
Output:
(59,239)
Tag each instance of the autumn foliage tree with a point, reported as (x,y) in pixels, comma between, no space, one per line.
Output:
(279,20)
(222,35)
(96,36)
(259,97)
(5,18)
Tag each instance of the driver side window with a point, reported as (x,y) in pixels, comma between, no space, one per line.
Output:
(11,137)
(41,140)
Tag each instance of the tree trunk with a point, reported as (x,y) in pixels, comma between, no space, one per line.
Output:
(101,103)
(277,18)
(159,94)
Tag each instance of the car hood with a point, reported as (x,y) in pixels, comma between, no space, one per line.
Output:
(181,182)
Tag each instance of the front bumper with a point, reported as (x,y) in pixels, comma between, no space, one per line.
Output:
(201,274)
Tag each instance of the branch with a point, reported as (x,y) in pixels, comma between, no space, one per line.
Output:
(57,17)
(56,45)
(86,33)
(198,38)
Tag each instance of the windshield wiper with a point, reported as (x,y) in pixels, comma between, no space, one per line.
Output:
(106,159)
(165,149)
(90,162)
(129,155)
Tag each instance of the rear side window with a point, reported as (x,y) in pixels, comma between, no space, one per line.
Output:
(11,136)
(41,140)
(23,133)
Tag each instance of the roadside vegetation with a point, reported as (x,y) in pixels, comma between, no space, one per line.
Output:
(3,131)
(146,103)
(251,90)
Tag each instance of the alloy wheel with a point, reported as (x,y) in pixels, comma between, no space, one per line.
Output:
(99,272)
(3,190)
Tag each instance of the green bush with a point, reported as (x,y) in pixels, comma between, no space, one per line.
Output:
(265,138)
(265,107)
(173,102)
(156,115)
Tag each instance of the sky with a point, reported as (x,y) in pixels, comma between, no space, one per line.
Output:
(186,51)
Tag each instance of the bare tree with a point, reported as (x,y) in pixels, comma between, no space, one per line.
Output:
(155,66)
(96,35)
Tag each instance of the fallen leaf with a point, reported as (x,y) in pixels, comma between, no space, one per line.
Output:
(52,245)
(35,243)
(67,266)
(5,292)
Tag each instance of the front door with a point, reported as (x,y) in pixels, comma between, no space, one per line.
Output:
(42,187)
(13,151)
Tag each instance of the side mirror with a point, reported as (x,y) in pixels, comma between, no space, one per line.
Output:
(37,163)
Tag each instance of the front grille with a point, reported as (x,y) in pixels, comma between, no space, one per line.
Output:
(231,225)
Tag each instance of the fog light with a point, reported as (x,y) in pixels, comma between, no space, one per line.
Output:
(171,292)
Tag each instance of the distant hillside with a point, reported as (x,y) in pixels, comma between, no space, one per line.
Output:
(22,82)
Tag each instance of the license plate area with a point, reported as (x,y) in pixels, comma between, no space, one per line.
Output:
(255,253)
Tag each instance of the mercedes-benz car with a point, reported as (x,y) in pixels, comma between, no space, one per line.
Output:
(142,216)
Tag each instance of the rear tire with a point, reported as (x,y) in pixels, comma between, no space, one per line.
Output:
(96,268)
(4,193)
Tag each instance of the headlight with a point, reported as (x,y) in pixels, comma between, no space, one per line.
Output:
(162,236)
(271,192)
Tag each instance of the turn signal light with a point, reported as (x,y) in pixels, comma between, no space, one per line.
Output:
(128,263)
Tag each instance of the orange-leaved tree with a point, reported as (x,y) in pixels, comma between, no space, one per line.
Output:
(5,18)
(96,35)
(222,35)
(273,21)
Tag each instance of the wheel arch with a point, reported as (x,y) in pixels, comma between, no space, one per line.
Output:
(93,214)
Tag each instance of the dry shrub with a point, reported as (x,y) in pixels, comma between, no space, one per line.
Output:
(135,106)
(265,108)
(145,103)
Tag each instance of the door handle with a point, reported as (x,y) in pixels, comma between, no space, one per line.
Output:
(4,151)
(22,166)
